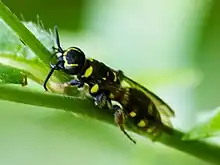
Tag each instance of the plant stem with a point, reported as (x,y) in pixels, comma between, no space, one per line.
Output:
(199,149)
(28,38)
(32,42)
(202,150)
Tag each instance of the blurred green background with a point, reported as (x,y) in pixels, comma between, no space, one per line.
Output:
(169,46)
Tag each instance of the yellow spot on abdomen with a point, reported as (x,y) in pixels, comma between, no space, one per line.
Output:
(95,88)
(141,123)
(132,114)
(88,71)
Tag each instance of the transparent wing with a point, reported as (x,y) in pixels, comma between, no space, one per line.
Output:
(164,110)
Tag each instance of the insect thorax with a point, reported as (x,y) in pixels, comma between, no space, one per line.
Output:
(96,72)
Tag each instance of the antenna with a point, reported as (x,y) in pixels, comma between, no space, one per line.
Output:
(53,68)
(57,39)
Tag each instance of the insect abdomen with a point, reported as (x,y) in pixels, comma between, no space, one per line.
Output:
(141,110)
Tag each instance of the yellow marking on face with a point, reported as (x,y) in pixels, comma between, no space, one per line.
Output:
(115,77)
(107,74)
(141,123)
(111,96)
(69,49)
(65,53)
(95,88)
(88,71)
(132,114)
(66,64)
(104,78)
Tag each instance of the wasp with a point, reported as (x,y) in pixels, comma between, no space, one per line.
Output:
(134,102)
(74,62)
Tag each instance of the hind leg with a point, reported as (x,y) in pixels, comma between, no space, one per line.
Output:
(119,120)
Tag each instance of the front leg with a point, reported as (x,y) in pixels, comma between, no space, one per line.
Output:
(64,87)
(77,83)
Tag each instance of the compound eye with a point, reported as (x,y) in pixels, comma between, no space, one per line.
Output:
(70,61)
(74,57)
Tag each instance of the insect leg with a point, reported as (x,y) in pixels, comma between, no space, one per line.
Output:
(77,83)
(56,50)
(58,39)
(100,100)
(119,120)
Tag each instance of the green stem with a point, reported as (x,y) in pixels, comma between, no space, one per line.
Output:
(29,39)
(199,149)
(32,42)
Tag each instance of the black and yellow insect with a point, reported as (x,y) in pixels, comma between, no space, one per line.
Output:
(143,108)
(74,62)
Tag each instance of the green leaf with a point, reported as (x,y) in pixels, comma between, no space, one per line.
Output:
(209,126)
(15,54)
(24,34)
(83,108)
(10,43)
(10,75)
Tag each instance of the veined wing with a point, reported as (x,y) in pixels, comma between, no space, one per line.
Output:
(165,110)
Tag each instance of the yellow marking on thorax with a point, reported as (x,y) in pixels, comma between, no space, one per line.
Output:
(95,88)
(141,123)
(88,72)
(104,78)
(132,114)
(66,64)
(115,76)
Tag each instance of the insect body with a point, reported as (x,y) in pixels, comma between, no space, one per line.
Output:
(136,103)
(74,62)
(142,108)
